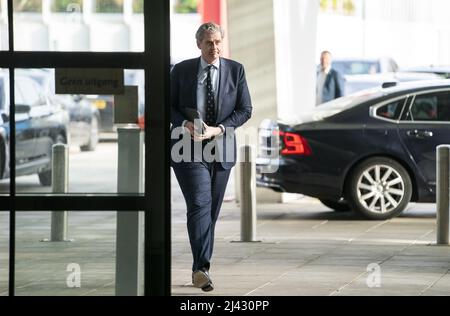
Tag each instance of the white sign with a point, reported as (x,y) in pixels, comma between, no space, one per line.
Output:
(89,81)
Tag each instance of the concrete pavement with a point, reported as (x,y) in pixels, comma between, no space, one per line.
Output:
(304,249)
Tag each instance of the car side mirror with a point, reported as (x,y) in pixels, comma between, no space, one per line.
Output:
(77,97)
(5,117)
(23,108)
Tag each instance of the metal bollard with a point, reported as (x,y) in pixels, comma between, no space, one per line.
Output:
(248,195)
(60,184)
(443,194)
(129,250)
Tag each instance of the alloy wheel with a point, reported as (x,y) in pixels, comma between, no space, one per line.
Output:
(380,188)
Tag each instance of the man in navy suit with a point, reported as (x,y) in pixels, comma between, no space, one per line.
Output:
(329,81)
(216,89)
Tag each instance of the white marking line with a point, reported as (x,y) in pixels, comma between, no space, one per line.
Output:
(320,224)
(96,289)
(369,230)
(418,240)
(33,282)
(434,283)
(347,284)
(258,288)
(265,284)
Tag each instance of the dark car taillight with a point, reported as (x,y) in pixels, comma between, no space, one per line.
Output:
(294,144)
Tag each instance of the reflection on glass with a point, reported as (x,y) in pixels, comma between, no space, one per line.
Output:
(61,25)
(83,122)
(109,6)
(63,6)
(4,45)
(83,266)
(138,6)
(4,252)
(4,132)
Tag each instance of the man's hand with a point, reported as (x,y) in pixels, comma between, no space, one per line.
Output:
(190,127)
(208,132)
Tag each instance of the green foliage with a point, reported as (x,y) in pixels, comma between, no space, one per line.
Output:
(346,7)
(65,5)
(109,6)
(27,5)
(349,6)
(323,4)
(186,6)
(138,6)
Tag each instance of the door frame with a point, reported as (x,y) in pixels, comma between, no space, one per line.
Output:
(155,201)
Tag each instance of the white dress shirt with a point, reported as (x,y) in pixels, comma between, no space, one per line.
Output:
(201,84)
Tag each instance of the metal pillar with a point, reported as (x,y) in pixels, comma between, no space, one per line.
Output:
(129,281)
(60,184)
(248,195)
(443,194)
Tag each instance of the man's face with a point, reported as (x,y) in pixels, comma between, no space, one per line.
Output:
(211,46)
(325,60)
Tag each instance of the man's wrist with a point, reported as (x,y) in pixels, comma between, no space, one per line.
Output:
(222,129)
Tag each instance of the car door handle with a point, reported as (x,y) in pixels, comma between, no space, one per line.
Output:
(419,134)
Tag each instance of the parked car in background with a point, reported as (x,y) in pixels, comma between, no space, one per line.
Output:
(359,74)
(39,125)
(354,83)
(372,152)
(84,116)
(364,66)
(443,71)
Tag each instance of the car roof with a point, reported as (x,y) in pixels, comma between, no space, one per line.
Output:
(370,95)
(357,59)
(443,69)
(413,86)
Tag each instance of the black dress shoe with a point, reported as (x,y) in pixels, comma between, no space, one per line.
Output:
(200,278)
(208,287)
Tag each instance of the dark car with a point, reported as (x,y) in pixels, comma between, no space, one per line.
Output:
(83,115)
(372,152)
(39,125)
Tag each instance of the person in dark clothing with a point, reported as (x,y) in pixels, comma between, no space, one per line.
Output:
(329,81)
(216,89)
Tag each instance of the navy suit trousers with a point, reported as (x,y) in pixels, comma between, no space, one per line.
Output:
(203,185)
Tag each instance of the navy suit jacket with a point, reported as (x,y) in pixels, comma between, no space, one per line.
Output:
(333,86)
(234,106)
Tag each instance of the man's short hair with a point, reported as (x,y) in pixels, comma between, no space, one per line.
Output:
(325,52)
(208,28)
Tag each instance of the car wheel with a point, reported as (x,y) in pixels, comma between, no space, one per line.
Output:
(379,188)
(45,177)
(338,206)
(93,136)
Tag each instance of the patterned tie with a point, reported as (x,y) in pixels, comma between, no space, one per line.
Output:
(210,117)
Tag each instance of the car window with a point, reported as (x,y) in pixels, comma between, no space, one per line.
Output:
(30,91)
(356,67)
(392,110)
(393,65)
(2,94)
(431,107)
(340,104)
(18,97)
